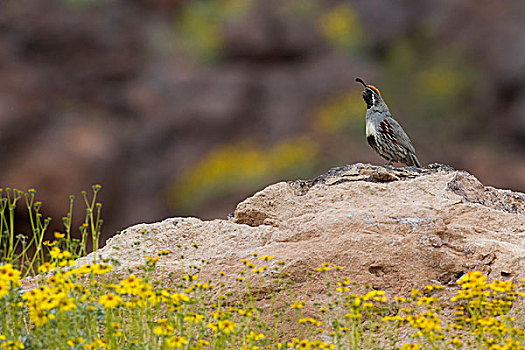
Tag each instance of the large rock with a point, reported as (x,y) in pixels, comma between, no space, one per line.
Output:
(394,228)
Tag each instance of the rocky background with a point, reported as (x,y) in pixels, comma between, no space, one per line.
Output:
(182,107)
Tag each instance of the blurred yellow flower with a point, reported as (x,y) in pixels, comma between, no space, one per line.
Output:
(242,165)
(59,235)
(176,342)
(297,305)
(12,345)
(110,301)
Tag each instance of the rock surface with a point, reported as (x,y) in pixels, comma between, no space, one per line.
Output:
(393,228)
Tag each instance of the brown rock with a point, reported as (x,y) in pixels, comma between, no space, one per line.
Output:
(394,228)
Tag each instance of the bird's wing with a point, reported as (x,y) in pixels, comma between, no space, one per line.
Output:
(402,137)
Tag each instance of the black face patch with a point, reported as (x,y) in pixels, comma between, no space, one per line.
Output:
(367,96)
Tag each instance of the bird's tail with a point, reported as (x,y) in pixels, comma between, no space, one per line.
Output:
(415,161)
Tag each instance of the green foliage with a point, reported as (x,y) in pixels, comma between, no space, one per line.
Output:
(28,251)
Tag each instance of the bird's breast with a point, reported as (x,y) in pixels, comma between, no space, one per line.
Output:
(370,128)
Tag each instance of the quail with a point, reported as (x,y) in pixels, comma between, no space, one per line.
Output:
(383,133)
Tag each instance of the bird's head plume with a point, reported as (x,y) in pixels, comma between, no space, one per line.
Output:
(371,94)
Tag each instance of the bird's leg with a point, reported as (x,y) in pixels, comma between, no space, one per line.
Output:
(388,163)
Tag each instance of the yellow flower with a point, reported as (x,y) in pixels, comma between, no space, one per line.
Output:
(100,269)
(255,336)
(134,286)
(73,342)
(456,326)
(310,320)
(244,313)
(410,346)
(176,298)
(266,257)
(10,274)
(4,289)
(152,260)
(40,317)
(55,253)
(144,290)
(261,269)
(203,286)
(193,318)
(415,293)
(190,278)
(66,304)
(324,267)
(59,235)
(472,278)
(455,342)
(431,287)
(84,269)
(66,255)
(426,301)
(110,301)
(373,294)
(65,263)
(502,286)
(247,263)
(357,301)
(12,345)
(176,342)
(304,344)
(164,252)
(354,314)
(344,282)
(130,280)
(163,327)
(96,344)
(297,305)
(190,289)
(46,267)
(212,326)
(227,326)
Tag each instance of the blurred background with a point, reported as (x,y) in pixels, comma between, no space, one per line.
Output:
(186,107)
